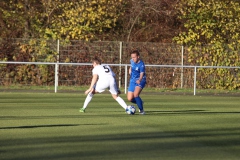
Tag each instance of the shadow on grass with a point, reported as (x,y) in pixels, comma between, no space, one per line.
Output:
(45,126)
(193,144)
(189,112)
(36,117)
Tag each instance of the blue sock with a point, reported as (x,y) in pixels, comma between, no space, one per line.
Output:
(139,103)
(133,101)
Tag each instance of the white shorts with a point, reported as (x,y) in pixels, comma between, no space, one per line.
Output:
(109,83)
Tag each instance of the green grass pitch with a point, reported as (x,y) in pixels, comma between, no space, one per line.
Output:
(49,126)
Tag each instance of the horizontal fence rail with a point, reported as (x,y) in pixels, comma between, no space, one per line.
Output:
(57,64)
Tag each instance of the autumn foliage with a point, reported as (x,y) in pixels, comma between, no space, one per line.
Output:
(208,30)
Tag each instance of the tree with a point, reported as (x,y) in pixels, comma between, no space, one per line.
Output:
(147,21)
(83,19)
(10,19)
(212,25)
(46,20)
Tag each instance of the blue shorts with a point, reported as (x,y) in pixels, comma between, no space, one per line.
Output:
(132,85)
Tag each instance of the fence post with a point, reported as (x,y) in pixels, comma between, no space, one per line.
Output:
(195,80)
(126,73)
(56,67)
(120,62)
(56,77)
(182,68)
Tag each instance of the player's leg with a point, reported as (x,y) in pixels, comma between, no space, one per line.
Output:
(130,95)
(133,99)
(131,90)
(98,88)
(87,100)
(120,101)
(136,93)
(138,99)
(114,92)
(118,90)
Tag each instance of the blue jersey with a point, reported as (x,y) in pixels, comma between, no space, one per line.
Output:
(137,68)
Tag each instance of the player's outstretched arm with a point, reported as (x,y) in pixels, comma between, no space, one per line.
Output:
(94,81)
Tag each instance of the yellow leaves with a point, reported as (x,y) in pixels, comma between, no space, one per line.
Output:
(94,2)
(210,19)
(79,19)
(90,9)
(212,28)
(67,60)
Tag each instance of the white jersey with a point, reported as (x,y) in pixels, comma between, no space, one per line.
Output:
(103,72)
(105,79)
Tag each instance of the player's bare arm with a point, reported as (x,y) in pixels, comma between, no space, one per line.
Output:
(140,78)
(130,70)
(94,81)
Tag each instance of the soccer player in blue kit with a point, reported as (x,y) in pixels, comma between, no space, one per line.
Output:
(137,80)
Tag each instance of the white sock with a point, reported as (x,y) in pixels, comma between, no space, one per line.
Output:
(121,102)
(87,100)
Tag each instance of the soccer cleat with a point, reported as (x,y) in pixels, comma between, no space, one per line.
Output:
(142,112)
(82,110)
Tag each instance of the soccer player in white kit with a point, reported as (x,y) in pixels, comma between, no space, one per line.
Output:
(103,78)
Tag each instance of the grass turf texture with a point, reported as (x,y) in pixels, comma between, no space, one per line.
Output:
(49,126)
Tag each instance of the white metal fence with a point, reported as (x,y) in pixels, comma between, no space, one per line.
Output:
(56,71)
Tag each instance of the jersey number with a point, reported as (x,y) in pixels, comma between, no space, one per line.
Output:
(106,69)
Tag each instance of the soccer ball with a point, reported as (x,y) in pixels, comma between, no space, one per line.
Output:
(131,110)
